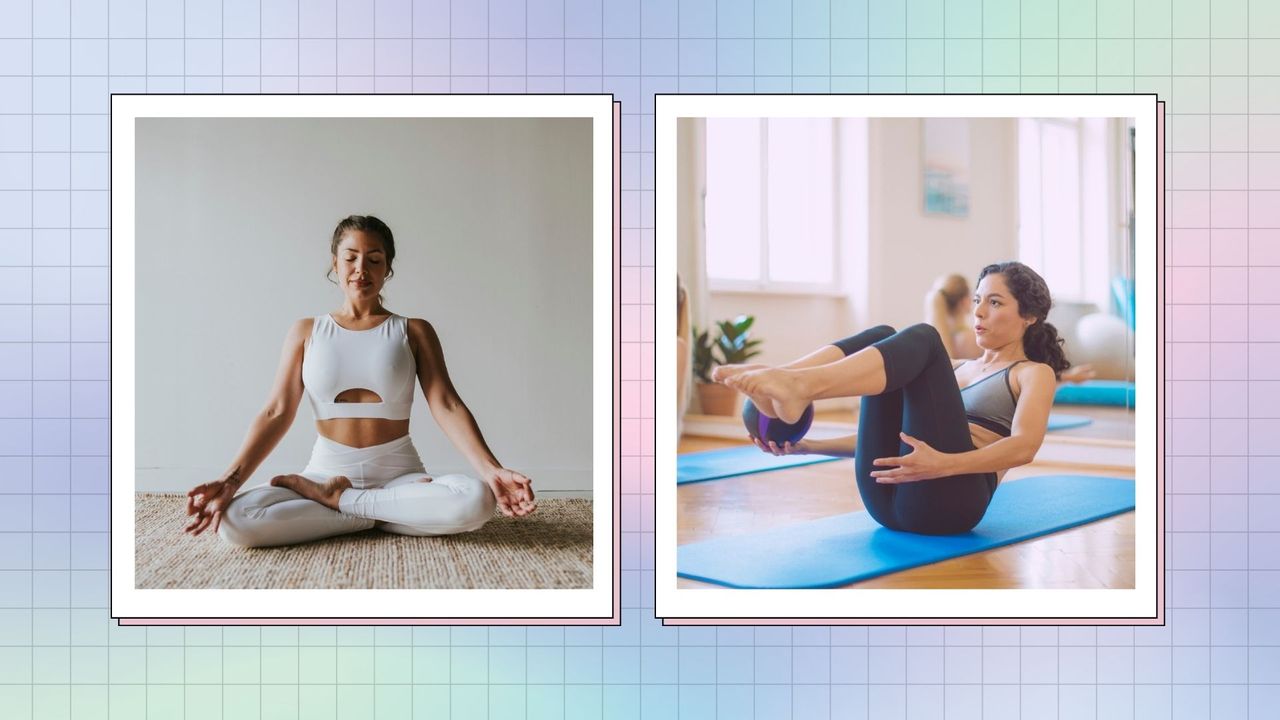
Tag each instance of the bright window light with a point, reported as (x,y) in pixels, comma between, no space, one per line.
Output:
(734,198)
(770,203)
(801,213)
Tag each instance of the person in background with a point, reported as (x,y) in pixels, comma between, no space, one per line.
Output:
(683,356)
(946,308)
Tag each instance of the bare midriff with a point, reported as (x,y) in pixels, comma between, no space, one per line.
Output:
(362,432)
(983,437)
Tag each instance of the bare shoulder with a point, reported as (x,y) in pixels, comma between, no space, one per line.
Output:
(300,333)
(1034,374)
(420,330)
(423,340)
(300,330)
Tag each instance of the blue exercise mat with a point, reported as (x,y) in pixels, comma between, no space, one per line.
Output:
(734,461)
(748,459)
(1095,392)
(842,549)
(1059,421)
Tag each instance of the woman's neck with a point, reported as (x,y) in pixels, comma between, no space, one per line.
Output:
(359,313)
(1010,353)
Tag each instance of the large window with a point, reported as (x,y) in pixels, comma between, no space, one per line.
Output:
(770,204)
(1064,201)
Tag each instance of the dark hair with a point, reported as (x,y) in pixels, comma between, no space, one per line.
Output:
(1041,341)
(369,224)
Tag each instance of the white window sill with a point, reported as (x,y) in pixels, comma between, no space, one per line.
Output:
(777,290)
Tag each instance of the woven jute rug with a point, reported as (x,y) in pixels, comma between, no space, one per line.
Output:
(548,549)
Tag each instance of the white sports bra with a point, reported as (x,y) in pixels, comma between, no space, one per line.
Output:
(378,359)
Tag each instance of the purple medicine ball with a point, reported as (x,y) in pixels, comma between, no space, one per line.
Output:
(766,428)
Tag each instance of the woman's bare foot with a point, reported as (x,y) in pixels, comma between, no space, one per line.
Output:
(781,388)
(326,494)
(723,373)
(720,373)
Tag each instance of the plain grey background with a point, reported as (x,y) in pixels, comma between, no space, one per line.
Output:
(492,224)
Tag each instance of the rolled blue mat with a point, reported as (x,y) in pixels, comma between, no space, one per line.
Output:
(1095,392)
(846,548)
(734,461)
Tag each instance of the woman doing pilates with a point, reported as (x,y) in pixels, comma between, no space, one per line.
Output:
(935,435)
(357,367)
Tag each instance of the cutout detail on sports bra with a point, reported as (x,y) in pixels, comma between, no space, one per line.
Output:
(358,395)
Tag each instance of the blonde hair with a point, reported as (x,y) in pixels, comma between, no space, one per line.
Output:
(954,288)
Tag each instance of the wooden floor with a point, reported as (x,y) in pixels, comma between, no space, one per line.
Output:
(1096,555)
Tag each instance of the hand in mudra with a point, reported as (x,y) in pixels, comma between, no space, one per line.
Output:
(513,491)
(207,502)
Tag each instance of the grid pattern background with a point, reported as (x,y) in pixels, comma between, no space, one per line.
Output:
(1216,63)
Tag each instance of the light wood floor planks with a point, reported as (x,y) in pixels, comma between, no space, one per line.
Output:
(1097,555)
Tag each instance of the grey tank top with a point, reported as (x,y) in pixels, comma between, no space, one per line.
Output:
(991,404)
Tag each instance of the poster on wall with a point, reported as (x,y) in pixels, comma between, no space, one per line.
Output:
(946,167)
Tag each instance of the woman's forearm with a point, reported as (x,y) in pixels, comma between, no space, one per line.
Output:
(1000,455)
(265,432)
(843,446)
(457,423)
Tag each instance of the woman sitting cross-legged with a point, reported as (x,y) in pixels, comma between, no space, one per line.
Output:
(358,369)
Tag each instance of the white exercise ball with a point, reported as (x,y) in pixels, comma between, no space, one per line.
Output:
(1104,341)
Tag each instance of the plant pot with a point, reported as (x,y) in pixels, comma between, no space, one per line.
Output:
(718,399)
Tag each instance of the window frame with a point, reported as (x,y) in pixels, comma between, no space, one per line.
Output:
(764,284)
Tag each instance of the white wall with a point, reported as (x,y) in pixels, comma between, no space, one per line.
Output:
(891,250)
(909,249)
(492,220)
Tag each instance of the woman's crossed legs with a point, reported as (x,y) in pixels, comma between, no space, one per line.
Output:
(292,512)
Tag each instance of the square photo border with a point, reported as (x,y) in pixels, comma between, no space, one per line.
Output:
(1141,605)
(597,605)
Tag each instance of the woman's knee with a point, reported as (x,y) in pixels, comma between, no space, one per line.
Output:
(243,523)
(927,334)
(470,504)
(239,527)
(881,332)
(477,500)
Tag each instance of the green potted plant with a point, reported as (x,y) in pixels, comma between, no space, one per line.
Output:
(732,345)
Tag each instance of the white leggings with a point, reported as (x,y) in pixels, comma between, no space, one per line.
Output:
(387,491)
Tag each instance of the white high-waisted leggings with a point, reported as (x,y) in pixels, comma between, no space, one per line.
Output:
(387,491)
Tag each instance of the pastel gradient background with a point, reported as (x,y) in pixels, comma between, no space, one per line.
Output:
(1216,63)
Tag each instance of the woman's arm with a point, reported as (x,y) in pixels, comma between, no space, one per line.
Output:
(276,417)
(834,447)
(208,501)
(512,490)
(447,408)
(1030,420)
(843,446)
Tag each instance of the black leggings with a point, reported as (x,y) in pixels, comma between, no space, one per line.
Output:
(922,399)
